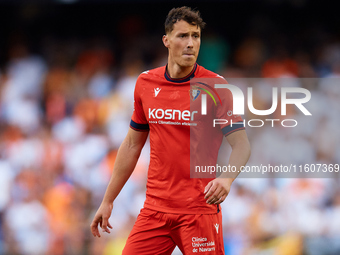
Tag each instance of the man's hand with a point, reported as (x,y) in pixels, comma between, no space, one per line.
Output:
(127,157)
(217,190)
(102,218)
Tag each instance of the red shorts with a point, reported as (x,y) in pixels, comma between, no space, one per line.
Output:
(156,233)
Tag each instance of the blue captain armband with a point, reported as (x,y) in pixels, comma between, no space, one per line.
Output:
(232,128)
(139,127)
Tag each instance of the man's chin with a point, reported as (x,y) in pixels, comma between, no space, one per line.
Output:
(189,62)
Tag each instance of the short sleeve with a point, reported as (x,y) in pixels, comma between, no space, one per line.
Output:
(225,111)
(138,119)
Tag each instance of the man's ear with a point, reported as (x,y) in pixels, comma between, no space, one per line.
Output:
(165,41)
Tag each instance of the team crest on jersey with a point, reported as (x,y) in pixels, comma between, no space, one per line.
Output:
(194,92)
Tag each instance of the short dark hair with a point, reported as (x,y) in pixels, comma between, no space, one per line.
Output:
(185,13)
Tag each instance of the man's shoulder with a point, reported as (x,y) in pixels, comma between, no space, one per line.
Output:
(153,73)
(205,73)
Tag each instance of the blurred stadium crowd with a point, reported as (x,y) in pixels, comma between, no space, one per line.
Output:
(65,111)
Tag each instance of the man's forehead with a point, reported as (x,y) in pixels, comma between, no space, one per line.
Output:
(182,26)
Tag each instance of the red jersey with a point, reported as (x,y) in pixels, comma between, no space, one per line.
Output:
(170,110)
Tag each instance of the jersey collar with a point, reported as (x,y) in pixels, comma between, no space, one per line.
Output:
(180,80)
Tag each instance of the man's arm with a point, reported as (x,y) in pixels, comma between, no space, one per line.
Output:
(126,160)
(217,190)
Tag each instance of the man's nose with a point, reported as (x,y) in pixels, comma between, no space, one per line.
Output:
(190,42)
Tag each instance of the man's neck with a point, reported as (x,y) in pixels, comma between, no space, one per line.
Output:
(176,72)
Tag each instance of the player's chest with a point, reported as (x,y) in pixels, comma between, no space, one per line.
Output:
(165,97)
(172,103)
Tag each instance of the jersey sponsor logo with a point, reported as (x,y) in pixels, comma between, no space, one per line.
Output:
(171,114)
(217,226)
(157,90)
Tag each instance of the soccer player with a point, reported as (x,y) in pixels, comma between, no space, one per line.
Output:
(178,210)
